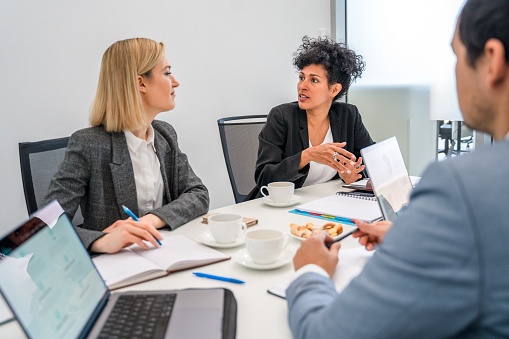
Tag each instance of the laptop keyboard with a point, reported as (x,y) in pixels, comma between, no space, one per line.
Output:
(139,316)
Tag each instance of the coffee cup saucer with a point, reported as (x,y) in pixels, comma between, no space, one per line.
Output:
(206,238)
(243,258)
(295,200)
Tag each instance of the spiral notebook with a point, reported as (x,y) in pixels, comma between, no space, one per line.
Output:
(345,205)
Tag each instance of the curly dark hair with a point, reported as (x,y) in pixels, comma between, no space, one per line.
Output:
(341,64)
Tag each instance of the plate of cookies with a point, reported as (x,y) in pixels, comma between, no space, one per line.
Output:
(302,232)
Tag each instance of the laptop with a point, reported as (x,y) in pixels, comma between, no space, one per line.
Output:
(55,291)
(389,176)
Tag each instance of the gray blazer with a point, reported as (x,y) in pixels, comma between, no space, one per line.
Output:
(442,270)
(97,175)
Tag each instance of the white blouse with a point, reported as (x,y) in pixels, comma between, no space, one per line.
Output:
(147,172)
(319,173)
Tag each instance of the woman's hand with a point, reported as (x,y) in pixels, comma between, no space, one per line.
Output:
(324,154)
(124,233)
(352,174)
(153,220)
(371,235)
(336,157)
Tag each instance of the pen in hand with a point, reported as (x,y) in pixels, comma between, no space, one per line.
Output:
(135,218)
(342,237)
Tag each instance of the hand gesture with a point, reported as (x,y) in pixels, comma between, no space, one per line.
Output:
(352,174)
(335,156)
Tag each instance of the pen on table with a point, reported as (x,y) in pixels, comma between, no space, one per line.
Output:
(216,277)
(342,237)
(135,218)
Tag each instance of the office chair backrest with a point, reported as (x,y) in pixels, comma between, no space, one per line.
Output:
(239,138)
(39,162)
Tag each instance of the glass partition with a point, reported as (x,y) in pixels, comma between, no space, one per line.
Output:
(408,88)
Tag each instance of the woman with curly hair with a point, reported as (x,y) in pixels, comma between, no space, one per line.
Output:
(317,138)
(127,157)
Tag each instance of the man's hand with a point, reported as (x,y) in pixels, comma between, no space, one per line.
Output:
(314,251)
(371,235)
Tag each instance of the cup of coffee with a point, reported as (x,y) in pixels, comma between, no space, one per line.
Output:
(279,192)
(264,246)
(226,228)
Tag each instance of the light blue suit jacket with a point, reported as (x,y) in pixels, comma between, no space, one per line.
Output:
(442,270)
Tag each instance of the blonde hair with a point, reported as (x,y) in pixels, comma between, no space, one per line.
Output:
(117,104)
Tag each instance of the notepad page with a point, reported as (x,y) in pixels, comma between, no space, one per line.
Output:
(344,206)
(351,263)
(123,265)
(179,252)
(5,311)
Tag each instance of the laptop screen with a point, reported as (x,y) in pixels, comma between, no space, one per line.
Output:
(48,278)
(389,176)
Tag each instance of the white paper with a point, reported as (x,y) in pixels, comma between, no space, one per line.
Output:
(178,251)
(113,268)
(5,311)
(135,264)
(345,206)
(351,262)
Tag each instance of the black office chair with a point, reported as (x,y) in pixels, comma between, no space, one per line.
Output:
(39,162)
(239,138)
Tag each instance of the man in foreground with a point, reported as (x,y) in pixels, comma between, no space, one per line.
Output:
(443,268)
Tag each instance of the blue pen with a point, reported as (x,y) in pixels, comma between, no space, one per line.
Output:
(216,277)
(135,218)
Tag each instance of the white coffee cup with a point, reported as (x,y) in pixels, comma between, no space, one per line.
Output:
(280,191)
(226,228)
(264,246)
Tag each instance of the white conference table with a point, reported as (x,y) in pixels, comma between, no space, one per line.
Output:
(259,314)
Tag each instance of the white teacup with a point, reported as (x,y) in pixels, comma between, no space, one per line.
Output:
(280,191)
(264,246)
(226,228)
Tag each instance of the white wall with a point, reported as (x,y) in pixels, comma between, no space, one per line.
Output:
(231,57)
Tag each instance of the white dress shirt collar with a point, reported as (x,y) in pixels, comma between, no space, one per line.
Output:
(133,142)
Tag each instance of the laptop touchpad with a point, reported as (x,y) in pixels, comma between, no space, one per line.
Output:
(195,323)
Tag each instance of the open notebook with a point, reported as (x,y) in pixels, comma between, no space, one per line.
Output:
(134,264)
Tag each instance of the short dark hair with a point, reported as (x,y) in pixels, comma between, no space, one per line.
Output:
(481,20)
(341,64)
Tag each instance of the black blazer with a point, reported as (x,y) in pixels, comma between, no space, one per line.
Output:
(285,136)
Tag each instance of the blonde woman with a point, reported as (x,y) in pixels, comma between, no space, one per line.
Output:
(127,157)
